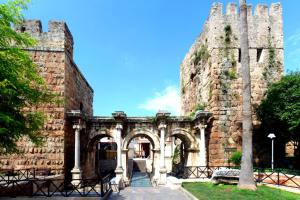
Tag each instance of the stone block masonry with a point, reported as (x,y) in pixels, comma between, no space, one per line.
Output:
(54,56)
(210,73)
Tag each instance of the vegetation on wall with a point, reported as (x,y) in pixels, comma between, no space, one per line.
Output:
(176,160)
(198,107)
(182,87)
(228,34)
(227,77)
(273,65)
(231,74)
(201,55)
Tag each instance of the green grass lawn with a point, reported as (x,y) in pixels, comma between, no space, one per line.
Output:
(204,191)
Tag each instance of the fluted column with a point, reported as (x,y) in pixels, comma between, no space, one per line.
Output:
(76,171)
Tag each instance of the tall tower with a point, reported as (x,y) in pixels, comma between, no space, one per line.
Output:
(211,76)
(53,54)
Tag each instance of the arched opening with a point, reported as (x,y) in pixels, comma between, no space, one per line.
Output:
(106,156)
(185,147)
(140,154)
(139,147)
(101,156)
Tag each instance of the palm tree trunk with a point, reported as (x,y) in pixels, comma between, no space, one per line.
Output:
(246,179)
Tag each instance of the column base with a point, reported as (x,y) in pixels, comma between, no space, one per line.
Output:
(162,176)
(119,177)
(76,176)
(119,171)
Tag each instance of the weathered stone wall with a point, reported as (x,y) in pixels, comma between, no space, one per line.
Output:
(213,77)
(54,56)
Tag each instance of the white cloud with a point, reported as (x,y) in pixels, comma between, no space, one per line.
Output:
(168,99)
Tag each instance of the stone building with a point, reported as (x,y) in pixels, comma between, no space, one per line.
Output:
(211,72)
(54,56)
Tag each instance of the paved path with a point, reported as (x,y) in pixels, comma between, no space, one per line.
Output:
(140,179)
(149,193)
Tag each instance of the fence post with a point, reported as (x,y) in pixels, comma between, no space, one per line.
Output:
(65,186)
(101,183)
(14,189)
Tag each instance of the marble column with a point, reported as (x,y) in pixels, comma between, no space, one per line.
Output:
(125,165)
(163,171)
(155,166)
(76,171)
(119,169)
(203,161)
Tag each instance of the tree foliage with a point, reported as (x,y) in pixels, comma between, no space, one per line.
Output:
(281,107)
(21,86)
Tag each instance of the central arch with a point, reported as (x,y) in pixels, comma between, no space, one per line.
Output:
(153,138)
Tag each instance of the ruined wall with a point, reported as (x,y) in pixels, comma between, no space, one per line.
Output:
(54,56)
(211,71)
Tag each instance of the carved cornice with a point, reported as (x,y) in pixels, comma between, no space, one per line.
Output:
(119,116)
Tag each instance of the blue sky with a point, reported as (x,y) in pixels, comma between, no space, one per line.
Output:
(130,50)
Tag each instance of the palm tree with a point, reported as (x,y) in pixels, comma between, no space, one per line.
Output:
(246,179)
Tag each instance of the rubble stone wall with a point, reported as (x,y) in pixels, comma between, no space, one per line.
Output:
(211,75)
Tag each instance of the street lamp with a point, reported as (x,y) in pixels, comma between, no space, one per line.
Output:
(272,136)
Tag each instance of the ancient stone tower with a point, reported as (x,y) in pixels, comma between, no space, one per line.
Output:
(54,56)
(211,72)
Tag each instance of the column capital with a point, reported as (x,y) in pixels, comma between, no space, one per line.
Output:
(119,126)
(201,126)
(162,125)
(77,126)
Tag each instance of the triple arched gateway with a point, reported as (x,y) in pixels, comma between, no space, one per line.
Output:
(122,130)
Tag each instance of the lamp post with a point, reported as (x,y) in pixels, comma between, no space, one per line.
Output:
(272,136)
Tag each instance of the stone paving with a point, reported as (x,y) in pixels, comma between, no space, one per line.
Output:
(140,179)
(149,193)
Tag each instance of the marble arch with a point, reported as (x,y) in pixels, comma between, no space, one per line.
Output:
(123,129)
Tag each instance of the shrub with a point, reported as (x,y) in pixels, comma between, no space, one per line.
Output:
(236,158)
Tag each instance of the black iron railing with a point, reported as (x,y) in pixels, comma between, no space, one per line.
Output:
(284,177)
(30,182)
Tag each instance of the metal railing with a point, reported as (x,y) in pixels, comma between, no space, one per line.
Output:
(29,182)
(284,177)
